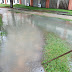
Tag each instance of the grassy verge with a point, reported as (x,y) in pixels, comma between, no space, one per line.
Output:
(53,48)
(67,12)
(4,5)
(65,19)
(2,31)
(0,27)
(0,20)
(36,8)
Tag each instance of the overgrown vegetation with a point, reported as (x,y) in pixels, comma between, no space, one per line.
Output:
(54,47)
(48,10)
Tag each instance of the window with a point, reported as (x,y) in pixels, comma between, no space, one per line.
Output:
(2,1)
(17,1)
(14,1)
(7,1)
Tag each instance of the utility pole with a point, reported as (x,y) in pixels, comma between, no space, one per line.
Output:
(11,3)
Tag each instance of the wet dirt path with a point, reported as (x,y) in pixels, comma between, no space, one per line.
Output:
(21,48)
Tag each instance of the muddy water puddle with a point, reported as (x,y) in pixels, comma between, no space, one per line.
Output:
(21,47)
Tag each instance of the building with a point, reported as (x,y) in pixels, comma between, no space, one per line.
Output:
(8,1)
(61,4)
(0,1)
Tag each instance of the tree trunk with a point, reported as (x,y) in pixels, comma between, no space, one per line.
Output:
(11,3)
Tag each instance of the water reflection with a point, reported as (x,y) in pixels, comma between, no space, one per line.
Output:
(60,27)
(23,47)
(2,36)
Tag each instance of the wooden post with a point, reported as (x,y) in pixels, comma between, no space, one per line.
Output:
(70,5)
(47,3)
(31,2)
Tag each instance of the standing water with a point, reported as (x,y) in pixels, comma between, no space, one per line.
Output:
(60,27)
(21,49)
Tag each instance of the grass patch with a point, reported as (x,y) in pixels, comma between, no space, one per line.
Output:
(65,19)
(17,12)
(37,8)
(26,7)
(54,47)
(48,10)
(0,26)
(69,12)
(1,21)
(4,5)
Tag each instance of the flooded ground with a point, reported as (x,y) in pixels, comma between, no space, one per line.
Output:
(21,47)
(60,27)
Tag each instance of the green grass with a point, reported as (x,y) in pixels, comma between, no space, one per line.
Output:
(3,32)
(17,12)
(54,47)
(0,26)
(26,7)
(1,23)
(0,20)
(44,9)
(65,19)
(39,9)
(4,5)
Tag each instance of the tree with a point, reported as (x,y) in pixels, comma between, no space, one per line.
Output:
(11,3)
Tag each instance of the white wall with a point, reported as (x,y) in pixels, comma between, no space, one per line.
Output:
(0,1)
(9,2)
(4,2)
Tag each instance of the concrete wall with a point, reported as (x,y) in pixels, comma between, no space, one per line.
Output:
(43,3)
(63,4)
(25,2)
(53,4)
(35,3)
